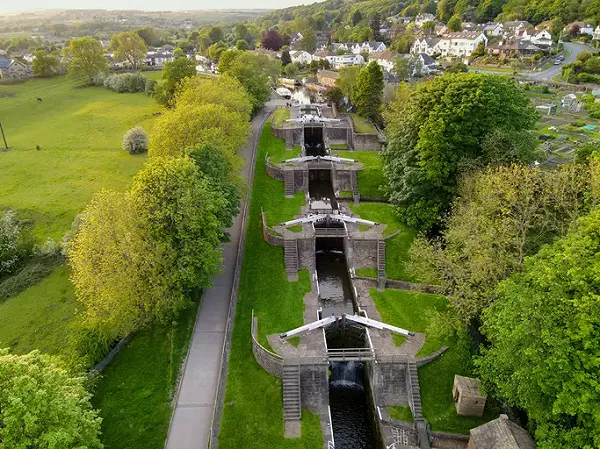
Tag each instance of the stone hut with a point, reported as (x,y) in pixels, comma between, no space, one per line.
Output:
(468,399)
(500,433)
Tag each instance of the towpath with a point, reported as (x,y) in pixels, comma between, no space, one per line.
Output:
(192,419)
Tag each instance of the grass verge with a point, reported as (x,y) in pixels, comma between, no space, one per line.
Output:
(401,413)
(397,247)
(253,414)
(135,391)
(280,115)
(362,125)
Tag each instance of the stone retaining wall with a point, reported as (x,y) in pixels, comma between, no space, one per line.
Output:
(442,440)
(270,362)
(306,252)
(389,382)
(403,285)
(366,142)
(421,361)
(269,235)
(113,352)
(314,386)
(364,253)
(274,171)
(292,136)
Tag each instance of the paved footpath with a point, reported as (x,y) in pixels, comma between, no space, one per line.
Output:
(192,419)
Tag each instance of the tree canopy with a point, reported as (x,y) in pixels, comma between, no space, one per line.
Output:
(44,406)
(544,344)
(367,94)
(174,72)
(130,47)
(84,58)
(441,129)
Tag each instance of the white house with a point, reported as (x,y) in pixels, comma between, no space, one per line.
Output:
(514,27)
(541,38)
(451,44)
(423,18)
(428,65)
(425,45)
(493,29)
(339,61)
(301,56)
(587,29)
(597,33)
(386,59)
(359,47)
(158,58)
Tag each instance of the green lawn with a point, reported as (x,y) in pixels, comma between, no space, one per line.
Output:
(280,116)
(39,317)
(411,310)
(253,415)
(135,391)
(370,178)
(79,132)
(153,74)
(396,249)
(277,207)
(362,125)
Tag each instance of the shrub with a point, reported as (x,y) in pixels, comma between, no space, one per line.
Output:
(126,82)
(90,343)
(31,274)
(135,140)
(99,79)
(150,87)
(10,235)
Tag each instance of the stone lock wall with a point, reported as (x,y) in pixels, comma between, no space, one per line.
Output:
(342,180)
(314,386)
(306,252)
(366,142)
(337,133)
(291,136)
(389,383)
(300,179)
(274,171)
(269,234)
(269,361)
(364,253)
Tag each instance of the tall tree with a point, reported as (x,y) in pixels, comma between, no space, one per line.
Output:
(150,35)
(368,91)
(272,40)
(309,41)
(130,47)
(438,130)
(347,80)
(375,24)
(455,24)
(43,405)
(45,64)
(174,73)
(84,58)
(544,343)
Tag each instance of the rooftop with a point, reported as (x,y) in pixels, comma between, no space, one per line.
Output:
(501,433)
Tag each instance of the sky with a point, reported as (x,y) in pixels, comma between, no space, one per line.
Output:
(8,6)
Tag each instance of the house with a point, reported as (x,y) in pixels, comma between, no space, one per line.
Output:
(301,56)
(452,44)
(423,18)
(358,47)
(296,38)
(327,78)
(322,40)
(386,59)
(13,68)
(513,27)
(469,26)
(400,19)
(493,29)
(266,52)
(468,399)
(584,28)
(158,58)
(501,433)
(597,33)
(428,65)
(339,61)
(425,45)
(541,38)
(512,48)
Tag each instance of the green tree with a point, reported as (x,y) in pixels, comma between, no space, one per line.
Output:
(402,67)
(130,47)
(455,24)
(182,128)
(368,91)
(438,129)
(285,57)
(429,25)
(226,60)
(84,58)
(45,64)
(347,80)
(43,405)
(215,34)
(174,72)
(309,41)
(11,250)
(150,35)
(543,340)
(216,49)
(242,45)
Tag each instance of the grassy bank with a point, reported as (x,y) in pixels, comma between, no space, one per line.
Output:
(135,391)
(253,415)
(78,132)
(370,179)
(362,125)
(280,115)
(397,247)
(411,310)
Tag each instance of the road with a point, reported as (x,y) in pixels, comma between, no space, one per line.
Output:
(555,70)
(191,423)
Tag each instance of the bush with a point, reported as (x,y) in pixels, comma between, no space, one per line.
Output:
(99,79)
(90,344)
(577,124)
(135,141)
(150,87)
(22,280)
(126,82)
(11,251)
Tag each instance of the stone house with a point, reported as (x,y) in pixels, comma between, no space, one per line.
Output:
(468,399)
(512,48)
(13,68)
(514,27)
(501,433)
(428,65)
(327,78)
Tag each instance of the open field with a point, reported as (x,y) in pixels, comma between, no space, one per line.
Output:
(253,414)
(78,132)
(412,311)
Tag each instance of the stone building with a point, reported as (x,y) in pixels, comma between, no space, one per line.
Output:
(501,433)
(13,68)
(468,399)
